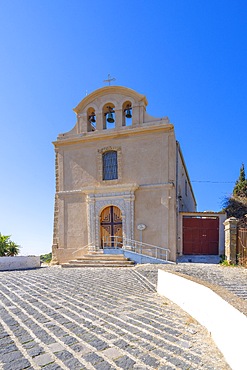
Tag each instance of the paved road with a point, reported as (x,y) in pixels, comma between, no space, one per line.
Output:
(54,318)
(229,282)
(233,279)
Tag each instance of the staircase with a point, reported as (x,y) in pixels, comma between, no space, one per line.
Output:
(99,259)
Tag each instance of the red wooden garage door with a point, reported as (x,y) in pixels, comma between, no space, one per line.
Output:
(200,235)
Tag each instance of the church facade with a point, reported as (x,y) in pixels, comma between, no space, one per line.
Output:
(120,175)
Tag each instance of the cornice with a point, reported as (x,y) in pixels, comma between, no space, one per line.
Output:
(107,189)
(203,214)
(110,134)
(117,188)
(168,185)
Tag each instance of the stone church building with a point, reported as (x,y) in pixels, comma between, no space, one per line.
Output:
(120,177)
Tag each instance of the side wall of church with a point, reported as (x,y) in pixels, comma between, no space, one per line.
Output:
(186,198)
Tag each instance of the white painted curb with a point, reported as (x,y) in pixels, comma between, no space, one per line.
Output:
(227,325)
(19,263)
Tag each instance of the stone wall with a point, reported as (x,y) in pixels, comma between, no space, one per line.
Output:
(19,263)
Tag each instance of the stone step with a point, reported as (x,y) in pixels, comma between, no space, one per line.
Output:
(100,260)
(106,261)
(99,264)
(99,252)
(106,257)
(93,265)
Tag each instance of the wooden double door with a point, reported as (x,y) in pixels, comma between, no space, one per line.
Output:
(201,235)
(111,227)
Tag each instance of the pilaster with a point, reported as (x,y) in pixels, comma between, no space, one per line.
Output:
(231,239)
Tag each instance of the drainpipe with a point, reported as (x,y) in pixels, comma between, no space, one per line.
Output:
(177,201)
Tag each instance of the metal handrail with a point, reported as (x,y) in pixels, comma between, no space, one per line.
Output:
(137,247)
(108,240)
(85,246)
(149,245)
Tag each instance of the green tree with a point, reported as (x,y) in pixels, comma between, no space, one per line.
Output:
(240,189)
(46,258)
(3,244)
(7,247)
(236,205)
(12,249)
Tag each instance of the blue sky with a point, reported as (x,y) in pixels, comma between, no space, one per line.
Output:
(188,57)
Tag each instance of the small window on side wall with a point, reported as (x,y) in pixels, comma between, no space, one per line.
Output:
(110,165)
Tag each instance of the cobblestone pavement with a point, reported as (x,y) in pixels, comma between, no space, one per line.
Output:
(90,318)
(229,282)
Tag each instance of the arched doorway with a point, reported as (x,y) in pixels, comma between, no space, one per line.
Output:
(111,230)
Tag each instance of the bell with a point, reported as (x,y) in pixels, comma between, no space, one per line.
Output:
(110,117)
(92,118)
(128,113)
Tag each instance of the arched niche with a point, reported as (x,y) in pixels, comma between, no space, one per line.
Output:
(91,119)
(109,117)
(127,113)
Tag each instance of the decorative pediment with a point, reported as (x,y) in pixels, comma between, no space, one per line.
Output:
(117,92)
(109,109)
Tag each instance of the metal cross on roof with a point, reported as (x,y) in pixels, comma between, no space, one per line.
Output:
(109,79)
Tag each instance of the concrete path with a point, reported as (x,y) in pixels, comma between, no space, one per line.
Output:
(90,318)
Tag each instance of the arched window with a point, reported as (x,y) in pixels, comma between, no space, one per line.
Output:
(110,165)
